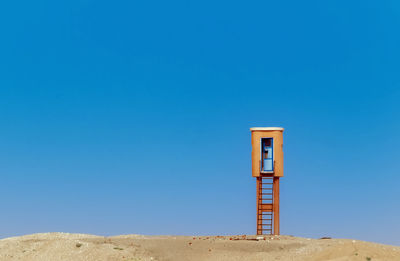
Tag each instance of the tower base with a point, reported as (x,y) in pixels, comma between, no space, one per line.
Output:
(267,205)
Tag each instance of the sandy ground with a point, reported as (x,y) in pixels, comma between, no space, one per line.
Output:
(77,247)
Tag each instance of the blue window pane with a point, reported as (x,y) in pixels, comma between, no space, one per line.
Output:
(267,165)
(268,152)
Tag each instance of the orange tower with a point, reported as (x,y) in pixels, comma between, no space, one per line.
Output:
(267,167)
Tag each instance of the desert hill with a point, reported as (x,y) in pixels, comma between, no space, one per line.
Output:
(80,247)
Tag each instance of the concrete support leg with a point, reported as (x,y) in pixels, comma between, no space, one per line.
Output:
(276,205)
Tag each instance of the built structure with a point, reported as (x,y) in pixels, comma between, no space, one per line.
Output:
(267,167)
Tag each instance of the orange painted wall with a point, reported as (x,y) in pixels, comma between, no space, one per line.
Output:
(256,136)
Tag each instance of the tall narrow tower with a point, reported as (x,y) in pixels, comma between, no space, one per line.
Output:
(267,167)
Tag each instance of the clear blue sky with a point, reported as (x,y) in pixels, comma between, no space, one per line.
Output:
(133,116)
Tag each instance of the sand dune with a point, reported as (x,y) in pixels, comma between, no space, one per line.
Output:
(79,247)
